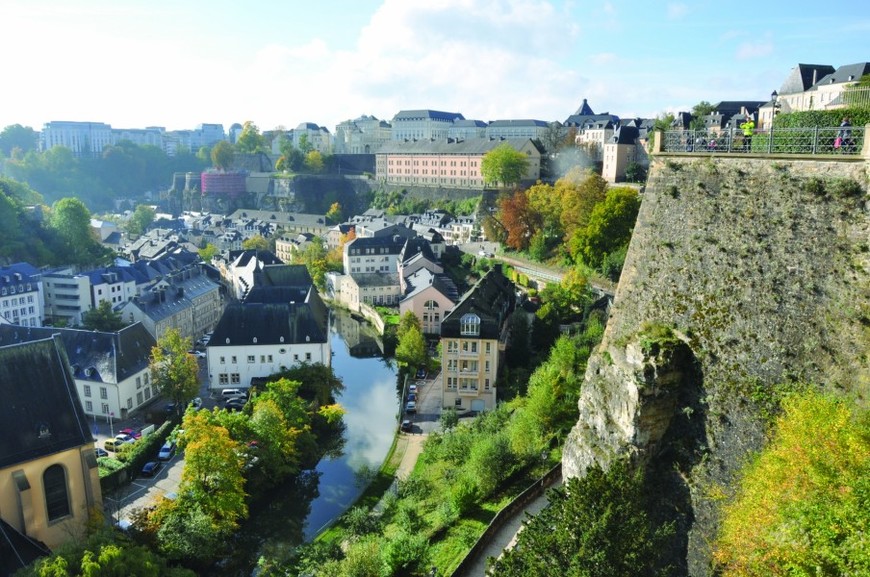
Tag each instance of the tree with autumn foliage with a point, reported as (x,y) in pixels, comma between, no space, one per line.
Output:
(504,164)
(578,192)
(518,219)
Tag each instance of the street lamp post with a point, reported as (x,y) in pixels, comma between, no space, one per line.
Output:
(773,97)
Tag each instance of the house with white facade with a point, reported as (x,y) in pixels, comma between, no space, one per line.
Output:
(430,296)
(21,296)
(282,323)
(420,125)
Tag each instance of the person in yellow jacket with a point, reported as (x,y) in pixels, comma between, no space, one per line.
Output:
(748,128)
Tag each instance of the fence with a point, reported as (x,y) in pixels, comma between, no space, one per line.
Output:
(818,140)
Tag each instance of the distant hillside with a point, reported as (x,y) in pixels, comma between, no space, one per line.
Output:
(745,278)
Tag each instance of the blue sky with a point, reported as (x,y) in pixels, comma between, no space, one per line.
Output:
(136,63)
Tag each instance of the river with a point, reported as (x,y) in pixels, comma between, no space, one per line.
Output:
(293,514)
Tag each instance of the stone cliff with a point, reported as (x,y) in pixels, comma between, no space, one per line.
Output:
(745,277)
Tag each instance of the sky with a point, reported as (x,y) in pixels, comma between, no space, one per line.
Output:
(278,63)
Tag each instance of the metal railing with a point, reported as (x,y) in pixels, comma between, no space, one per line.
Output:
(819,140)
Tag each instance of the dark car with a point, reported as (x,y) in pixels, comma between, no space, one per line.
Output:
(411,407)
(412,396)
(236,404)
(100,452)
(406,426)
(167,451)
(151,468)
(421,374)
(132,432)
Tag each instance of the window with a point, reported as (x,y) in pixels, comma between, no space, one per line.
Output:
(486,385)
(147,378)
(486,367)
(251,359)
(307,356)
(138,383)
(223,360)
(139,398)
(458,402)
(269,358)
(56,496)
(129,402)
(104,393)
(105,408)
(487,347)
(89,407)
(87,390)
(233,359)
(223,379)
(469,325)
(235,379)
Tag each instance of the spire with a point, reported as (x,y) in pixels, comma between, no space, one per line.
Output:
(584,110)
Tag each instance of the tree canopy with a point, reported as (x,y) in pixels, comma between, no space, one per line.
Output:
(174,371)
(141,219)
(222,155)
(103,318)
(504,164)
(15,136)
(250,140)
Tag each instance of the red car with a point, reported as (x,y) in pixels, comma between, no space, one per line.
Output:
(132,432)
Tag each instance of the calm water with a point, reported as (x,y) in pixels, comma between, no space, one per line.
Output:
(296,513)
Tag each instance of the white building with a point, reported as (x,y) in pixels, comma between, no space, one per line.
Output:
(82,138)
(21,301)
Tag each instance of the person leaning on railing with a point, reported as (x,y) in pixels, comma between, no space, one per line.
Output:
(844,136)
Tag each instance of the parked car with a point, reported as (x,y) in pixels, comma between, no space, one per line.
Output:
(232,393)
(132,432)
(125,438)
(100,452)
(235,404)
(421,374)
(412,388)
(196,403)
(411,407)
(412,396)
(197,354)
(167,451)
(406,426)
(112,445)
(151,468)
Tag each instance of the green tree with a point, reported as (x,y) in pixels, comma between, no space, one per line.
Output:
(411,349)
(504,164)
(174,371)
(699,111)
(610,226)
(71,221)
(334,214)
(141,219)
(449,418)
(803,504)
(208,252)
(256,242)
(103,318)
(250,140)
(18,137)
(222,155)
(594,526)
(305,145)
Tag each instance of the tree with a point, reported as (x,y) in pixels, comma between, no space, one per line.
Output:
(699,111)
(407,322)
(18,137)
(250,140)
(594,526)
(314,162)
(174,371)
(578,192)
(334,214)
(103,318)
(71,220)
(141,219)
(305,145)
(222,155)
(411,349)
(803,504)
(208,252)
(609,229)
(504,164)
(256,242)
(520,221)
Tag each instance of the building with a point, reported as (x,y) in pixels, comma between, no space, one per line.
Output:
(282,323)
(49,479)
(110,369)
(84,139)
(418,125)
(21,300)
(473,339)
(446,163)
(430,296)
(363,135)
(185,299)
(463,129)
(367,255)
(517,129)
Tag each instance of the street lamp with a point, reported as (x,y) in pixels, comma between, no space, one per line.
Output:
(773,97)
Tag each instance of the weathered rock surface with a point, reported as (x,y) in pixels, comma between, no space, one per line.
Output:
(761,267)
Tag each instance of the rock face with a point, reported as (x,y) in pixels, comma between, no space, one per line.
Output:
(760,268)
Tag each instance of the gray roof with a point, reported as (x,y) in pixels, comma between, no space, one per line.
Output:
(492,299)
(433,114)
(584,110)
(281,218)
(41,413)
(376,279)
(803,76)
(269,323)
(424,278)
(471,146)
(106,357)
(846,73)
(159,304)
(518,122)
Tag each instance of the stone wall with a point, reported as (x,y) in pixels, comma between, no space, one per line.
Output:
(754,272)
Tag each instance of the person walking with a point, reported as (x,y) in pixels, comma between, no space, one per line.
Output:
(748,128)
(844,136)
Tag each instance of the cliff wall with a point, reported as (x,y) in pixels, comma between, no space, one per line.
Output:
(745,277)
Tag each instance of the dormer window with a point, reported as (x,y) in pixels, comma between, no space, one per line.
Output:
(470,325)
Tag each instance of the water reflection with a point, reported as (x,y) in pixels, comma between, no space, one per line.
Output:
(296,512)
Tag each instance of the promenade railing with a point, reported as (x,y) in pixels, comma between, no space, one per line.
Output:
(818,140)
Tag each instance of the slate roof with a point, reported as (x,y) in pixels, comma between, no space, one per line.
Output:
(93,355)
(517,122)
(180,294)
(270,323)
(491,298)
(625,135)
(469,123)
(803,76)
(846,73)
(424,278)
(289,275)
(393,244)
(470,146)
(28,272)
(417,246)
(18,550)
(433,114)
(376,279)
(281,218)
(41,413)
(584,110)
